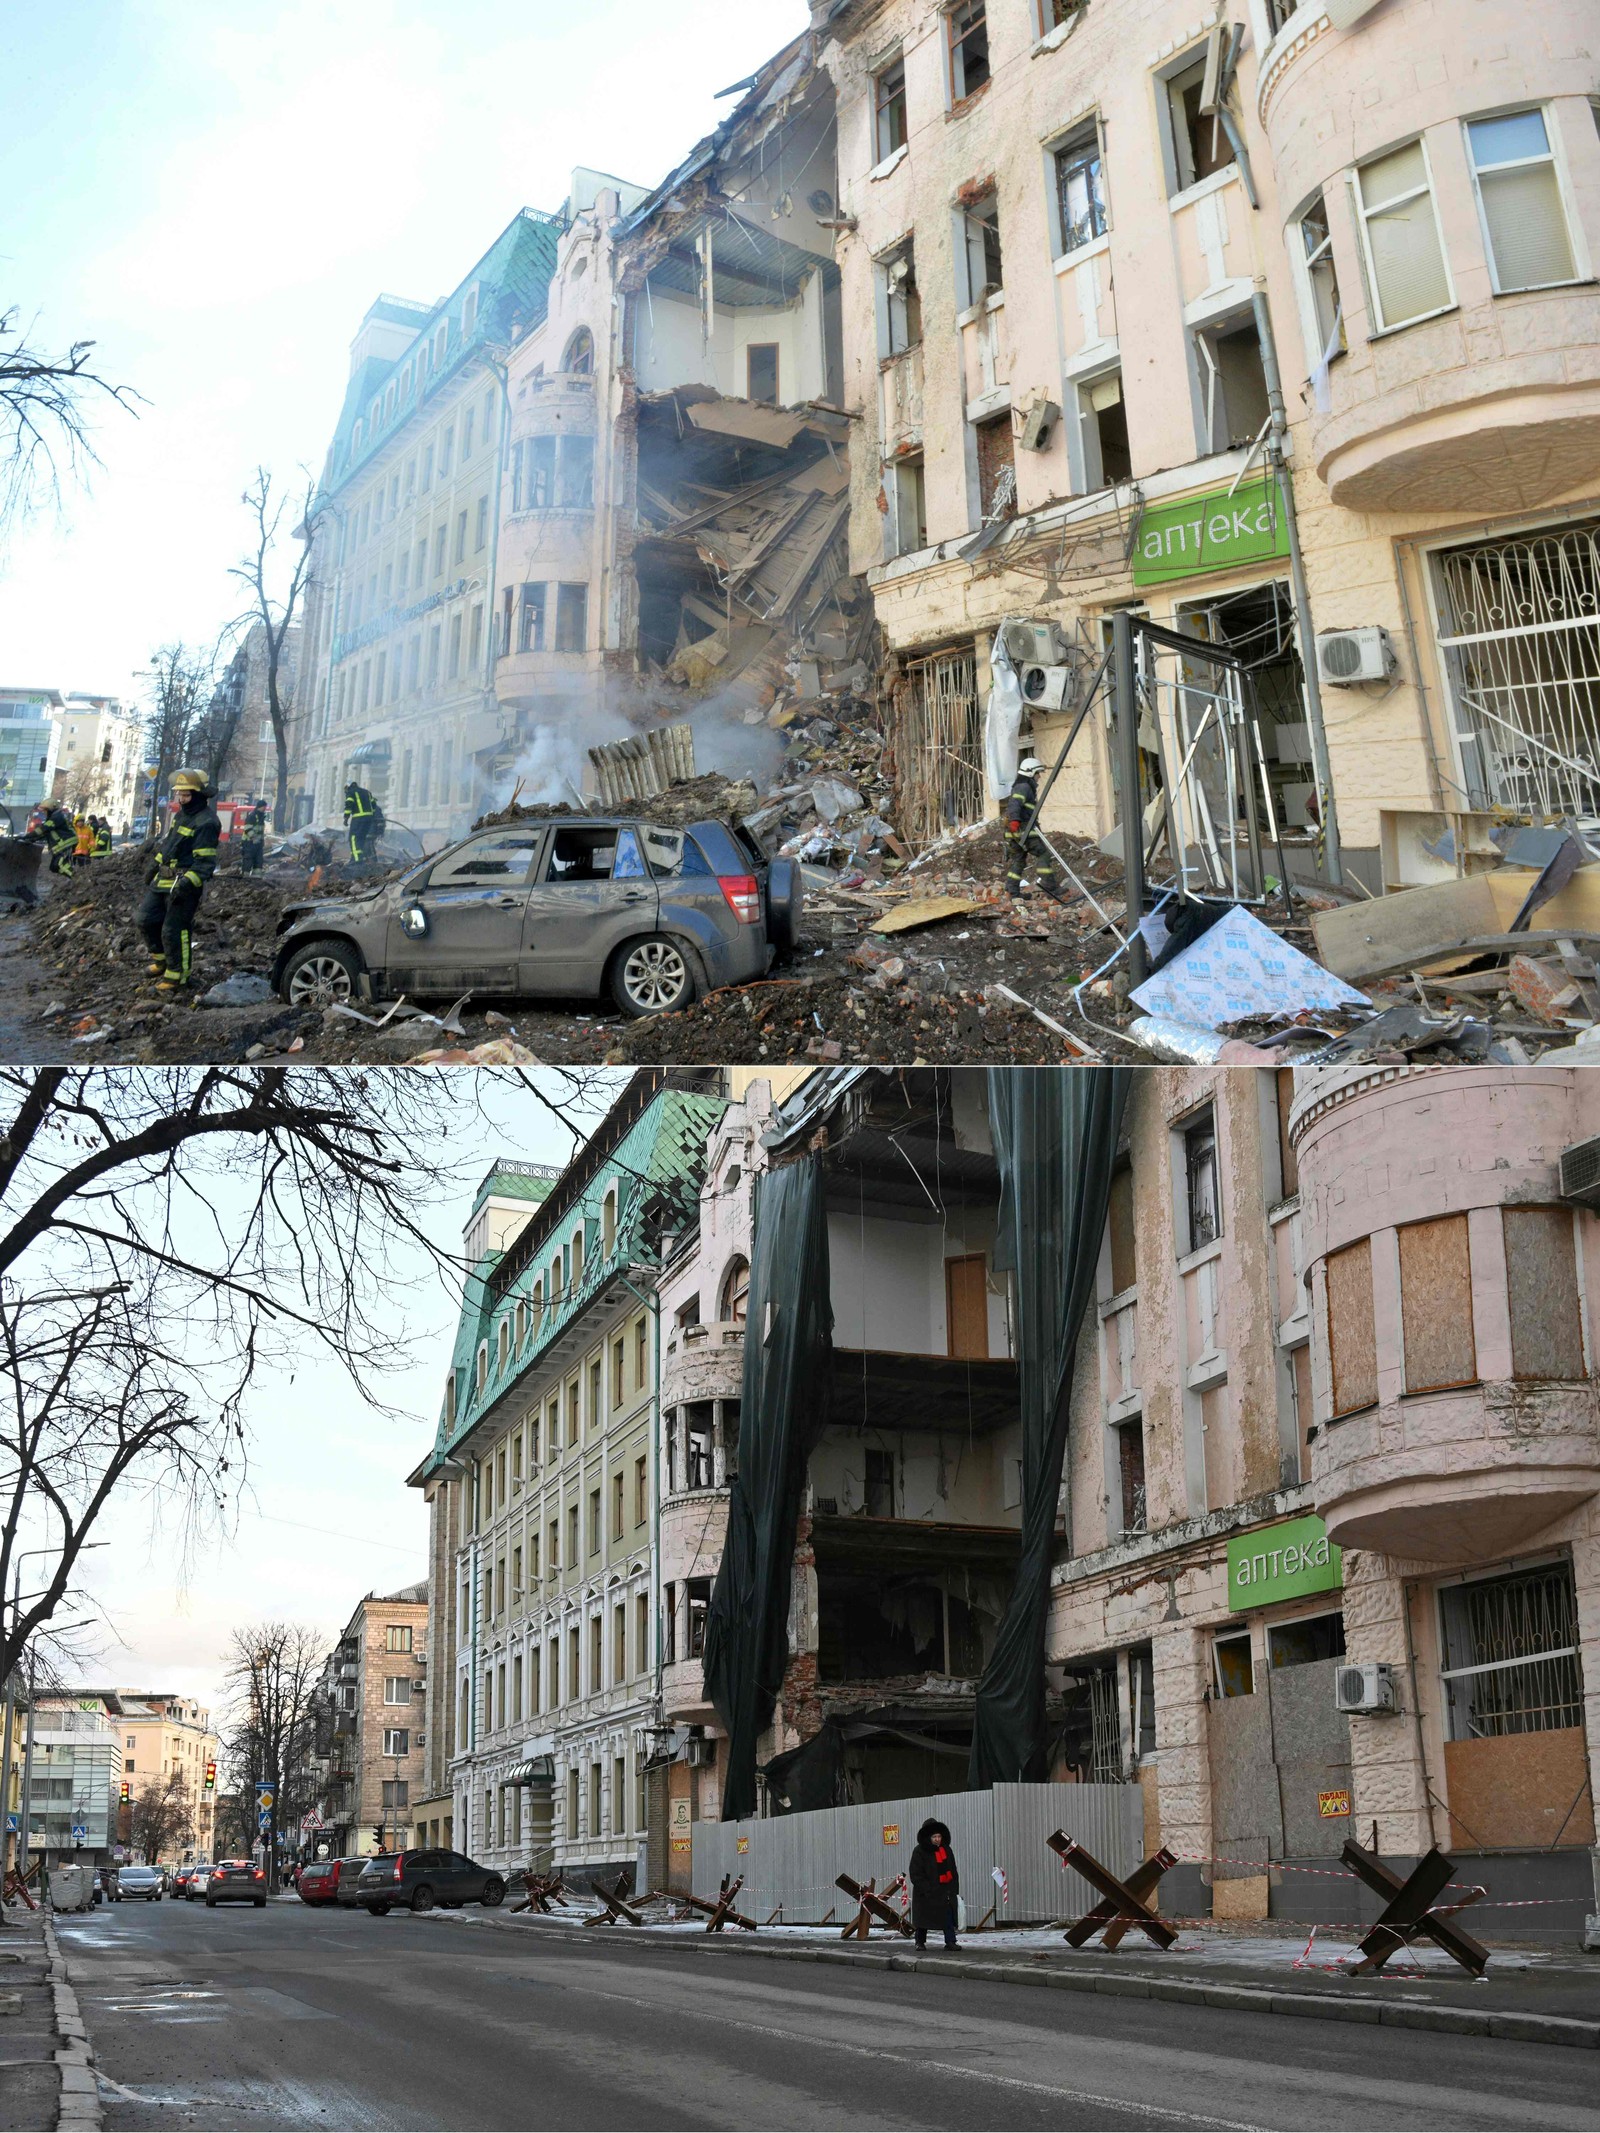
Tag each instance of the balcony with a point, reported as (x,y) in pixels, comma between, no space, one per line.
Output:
(704,1362)
(1456,1416)
(1489,398)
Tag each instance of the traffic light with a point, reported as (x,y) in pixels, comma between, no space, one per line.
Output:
(381,1837)
(211,1774)
(127,1791)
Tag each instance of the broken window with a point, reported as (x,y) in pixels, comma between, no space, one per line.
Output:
(902,320)
(735,1293)
(1235,1670)
(579,355)
(1130,1474)
(1352,1340)
(1142,1688)
(980,226)
(1511,1654)
(1103,427)
(572,618)
(761,372)
(575,487)
(530,619)
(878,1484)
(1080,187)
(1199,141)
(1202,1185)
(1052,13)
(1323,283)
(1233,384)
(697,1436)
(997,468)
(1119,1223)
(968,31)
(908,511)
(698,1595)
(1305,1642)
(533,462)
(889,108)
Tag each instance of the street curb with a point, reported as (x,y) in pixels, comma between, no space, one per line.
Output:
(1313,2006)
(78,2106)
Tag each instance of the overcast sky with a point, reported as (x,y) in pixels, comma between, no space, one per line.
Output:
(215,193)
(327,1516)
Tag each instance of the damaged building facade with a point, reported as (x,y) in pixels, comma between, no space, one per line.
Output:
(543,1496)
(397,687)
(1137,301)
(1326,1560)
(676,484)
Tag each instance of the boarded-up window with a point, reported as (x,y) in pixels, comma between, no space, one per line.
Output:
(1542,1276)
(1352,1342)
(1436,1304)
(1124,1270)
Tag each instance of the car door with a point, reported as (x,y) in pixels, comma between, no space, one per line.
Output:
(465,1879)
(473,907)
(593,892)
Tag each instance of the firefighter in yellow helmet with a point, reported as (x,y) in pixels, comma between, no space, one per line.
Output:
(185,860)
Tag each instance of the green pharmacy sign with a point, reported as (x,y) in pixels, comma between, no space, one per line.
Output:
(1287,1562)
(1195,534)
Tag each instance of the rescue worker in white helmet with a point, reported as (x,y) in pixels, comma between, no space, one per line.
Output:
(1023,842)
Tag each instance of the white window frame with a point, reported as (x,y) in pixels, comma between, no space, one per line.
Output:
(397,1681)
(893,470)
(1379,325)
(1305,288)
(389,1733)
(1054,147)
(1556,157)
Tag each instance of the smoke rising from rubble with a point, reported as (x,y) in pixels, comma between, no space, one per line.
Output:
(554,764)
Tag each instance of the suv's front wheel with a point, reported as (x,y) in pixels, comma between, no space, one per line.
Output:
(494,1894)
(654,976)
(321,974)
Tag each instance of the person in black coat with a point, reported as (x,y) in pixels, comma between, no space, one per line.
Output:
(935,1884)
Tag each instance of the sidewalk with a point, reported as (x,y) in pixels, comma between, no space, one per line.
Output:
(36,2088)
(1536,1993)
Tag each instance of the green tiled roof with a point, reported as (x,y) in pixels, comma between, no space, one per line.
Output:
(513,283)
(658,1164)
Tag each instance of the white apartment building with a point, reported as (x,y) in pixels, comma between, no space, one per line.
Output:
(397,658)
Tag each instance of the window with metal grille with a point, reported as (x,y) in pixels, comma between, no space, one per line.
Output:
(1511,1654)
(1105,1746)
(938,747)
(1519,635)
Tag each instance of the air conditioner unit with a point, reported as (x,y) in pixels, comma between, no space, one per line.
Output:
(1346,657)
(1036,644)
(1580,1173)
(1048,688)
(1038,424)
(699,1754)
(1366,1689)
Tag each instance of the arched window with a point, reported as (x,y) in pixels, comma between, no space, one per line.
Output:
(522,1321)
(608,1223)
(503,1344)
(579,354)
(735,1293)
(538,1305)
(483,1364)
(577,1257)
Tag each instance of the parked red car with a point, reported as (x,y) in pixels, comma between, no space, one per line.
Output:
(319,1880)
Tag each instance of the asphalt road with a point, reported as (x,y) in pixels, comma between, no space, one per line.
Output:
(290,2017)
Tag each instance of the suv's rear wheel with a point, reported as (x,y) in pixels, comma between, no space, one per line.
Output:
(321,974)
(494,1893)
(422,1898)
(378,1910)
(785,897)
(654,976)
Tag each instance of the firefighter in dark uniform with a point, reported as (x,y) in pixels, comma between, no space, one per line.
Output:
(1023,841)
(361,820)
(185,861)
(102,837)
(253,838)
(56,831)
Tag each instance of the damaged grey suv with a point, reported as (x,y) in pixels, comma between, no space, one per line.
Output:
(565,908)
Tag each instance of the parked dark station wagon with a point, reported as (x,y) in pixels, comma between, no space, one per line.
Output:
(566,908)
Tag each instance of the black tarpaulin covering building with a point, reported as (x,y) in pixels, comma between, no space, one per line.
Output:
(1055,1138)
(783,1408)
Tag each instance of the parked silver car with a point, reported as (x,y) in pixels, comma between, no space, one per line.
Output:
(567,907)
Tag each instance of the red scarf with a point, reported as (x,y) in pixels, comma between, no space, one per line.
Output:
(940,1857)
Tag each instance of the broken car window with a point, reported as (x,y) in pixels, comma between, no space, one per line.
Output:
(506,856)
(582,855)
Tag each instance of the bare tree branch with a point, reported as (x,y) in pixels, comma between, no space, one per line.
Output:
(259,571)
(44,424)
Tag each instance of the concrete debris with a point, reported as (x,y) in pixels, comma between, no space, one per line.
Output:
(243,989)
